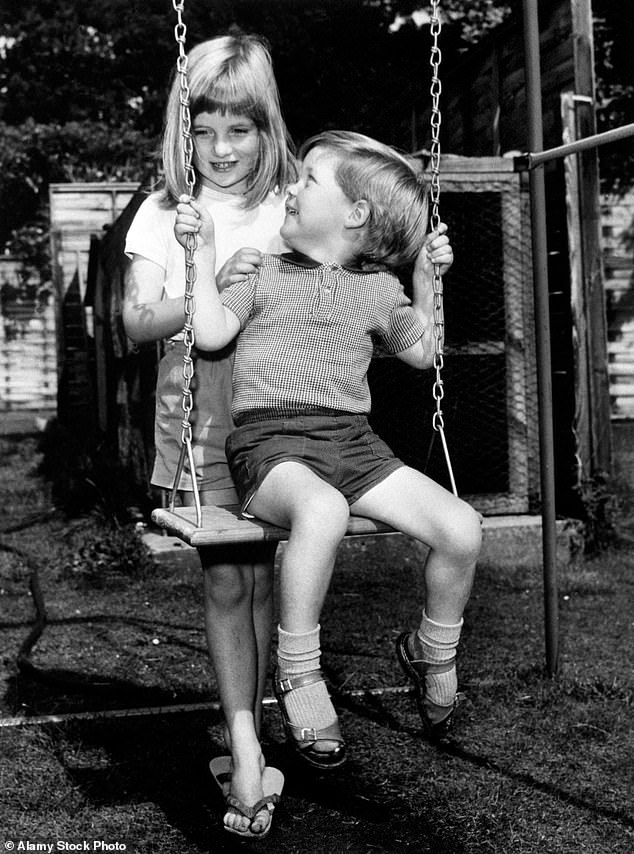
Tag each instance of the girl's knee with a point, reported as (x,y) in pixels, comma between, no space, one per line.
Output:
(228,586)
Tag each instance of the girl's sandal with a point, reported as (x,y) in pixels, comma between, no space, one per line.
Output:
(272,784)
(304,739)
(416,670)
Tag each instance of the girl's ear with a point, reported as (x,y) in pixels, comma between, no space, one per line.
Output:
(358,215)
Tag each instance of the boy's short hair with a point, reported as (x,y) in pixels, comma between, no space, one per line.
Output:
(393,187)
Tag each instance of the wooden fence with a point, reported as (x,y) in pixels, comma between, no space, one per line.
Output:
(28,356)
(617,227)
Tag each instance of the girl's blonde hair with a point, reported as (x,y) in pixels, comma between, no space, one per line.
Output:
(393,187)
(231,74)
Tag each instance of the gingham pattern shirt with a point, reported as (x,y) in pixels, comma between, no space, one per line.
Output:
(307,333)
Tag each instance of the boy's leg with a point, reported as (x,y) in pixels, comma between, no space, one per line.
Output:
(414,504)
(317,517)
(238,614)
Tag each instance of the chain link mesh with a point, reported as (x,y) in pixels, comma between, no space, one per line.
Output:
(489,364)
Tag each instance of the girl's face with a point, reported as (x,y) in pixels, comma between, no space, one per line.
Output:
(225,151)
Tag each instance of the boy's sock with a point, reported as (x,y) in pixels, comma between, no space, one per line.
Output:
(309,706)
(436,643)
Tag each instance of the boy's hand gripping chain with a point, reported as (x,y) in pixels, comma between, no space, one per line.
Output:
(439,321)
(180,31)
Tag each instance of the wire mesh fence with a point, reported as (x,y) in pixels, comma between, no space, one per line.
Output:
(490,394)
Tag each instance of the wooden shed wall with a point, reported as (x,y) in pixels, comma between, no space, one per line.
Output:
(77,211)
(484,111)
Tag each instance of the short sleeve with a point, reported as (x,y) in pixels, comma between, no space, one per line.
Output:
(149,233)
(240,299)
(404,327)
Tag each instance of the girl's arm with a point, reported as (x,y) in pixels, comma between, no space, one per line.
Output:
(146,315)
(214,325)
(436,250)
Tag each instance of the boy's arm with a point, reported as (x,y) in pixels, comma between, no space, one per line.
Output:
(214,325)
(436,250)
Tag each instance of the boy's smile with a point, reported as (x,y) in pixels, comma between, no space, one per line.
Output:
(317,210)
(226,149)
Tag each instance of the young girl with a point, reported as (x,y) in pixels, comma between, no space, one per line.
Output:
(243,161)
(303,455)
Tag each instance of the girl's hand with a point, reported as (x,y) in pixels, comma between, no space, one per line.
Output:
(238,267)
(192,218)
(436,250)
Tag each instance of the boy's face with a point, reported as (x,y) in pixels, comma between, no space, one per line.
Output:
(316,208)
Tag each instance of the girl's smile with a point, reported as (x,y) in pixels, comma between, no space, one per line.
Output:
(226,149)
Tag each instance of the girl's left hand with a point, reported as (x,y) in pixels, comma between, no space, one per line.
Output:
(238,267)
(436,250)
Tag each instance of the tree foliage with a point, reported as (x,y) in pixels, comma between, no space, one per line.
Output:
(83,82)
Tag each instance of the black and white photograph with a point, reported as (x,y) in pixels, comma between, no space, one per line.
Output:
(317,426)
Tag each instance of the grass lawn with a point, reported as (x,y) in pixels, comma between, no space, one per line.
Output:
(537,764)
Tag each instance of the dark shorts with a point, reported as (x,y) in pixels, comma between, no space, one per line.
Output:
(340,448)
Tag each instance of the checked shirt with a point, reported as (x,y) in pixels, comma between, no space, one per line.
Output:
(307,333)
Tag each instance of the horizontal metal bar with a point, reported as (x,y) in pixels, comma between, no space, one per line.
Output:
(530,160)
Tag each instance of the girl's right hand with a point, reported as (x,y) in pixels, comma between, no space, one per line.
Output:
(192,218)
(238,267)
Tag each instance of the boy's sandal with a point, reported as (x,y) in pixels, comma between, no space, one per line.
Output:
(416,670)
(272,785)
(304,739)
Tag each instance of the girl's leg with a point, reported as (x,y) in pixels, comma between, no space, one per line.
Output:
(317,516)
(414,504)
(238,608)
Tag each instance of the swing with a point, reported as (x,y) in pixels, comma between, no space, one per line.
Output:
(204,526)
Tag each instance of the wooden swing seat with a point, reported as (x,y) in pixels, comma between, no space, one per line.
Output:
(224,526)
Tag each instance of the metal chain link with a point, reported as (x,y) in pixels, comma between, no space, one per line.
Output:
(438,313)
(180,32)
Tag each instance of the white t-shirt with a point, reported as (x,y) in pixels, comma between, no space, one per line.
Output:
(151,234)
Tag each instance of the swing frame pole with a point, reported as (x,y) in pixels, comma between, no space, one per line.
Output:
(542,335)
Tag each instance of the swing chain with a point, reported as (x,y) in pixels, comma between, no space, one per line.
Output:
(439,323)
(180,31)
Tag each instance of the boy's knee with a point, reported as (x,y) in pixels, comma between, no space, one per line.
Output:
(326,513)
(468,534)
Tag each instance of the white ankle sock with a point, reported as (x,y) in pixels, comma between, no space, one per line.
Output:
(309,706)
(438,644)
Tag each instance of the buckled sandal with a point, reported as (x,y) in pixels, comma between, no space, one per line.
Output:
(416,670)
(304,739)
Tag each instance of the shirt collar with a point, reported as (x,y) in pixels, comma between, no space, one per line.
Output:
(301,260)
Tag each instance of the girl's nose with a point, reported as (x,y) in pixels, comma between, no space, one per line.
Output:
(222,146)
(291,189)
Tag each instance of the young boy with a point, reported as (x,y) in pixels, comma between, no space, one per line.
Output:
(302,455)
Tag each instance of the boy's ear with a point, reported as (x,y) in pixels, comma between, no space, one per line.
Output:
(359,214)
